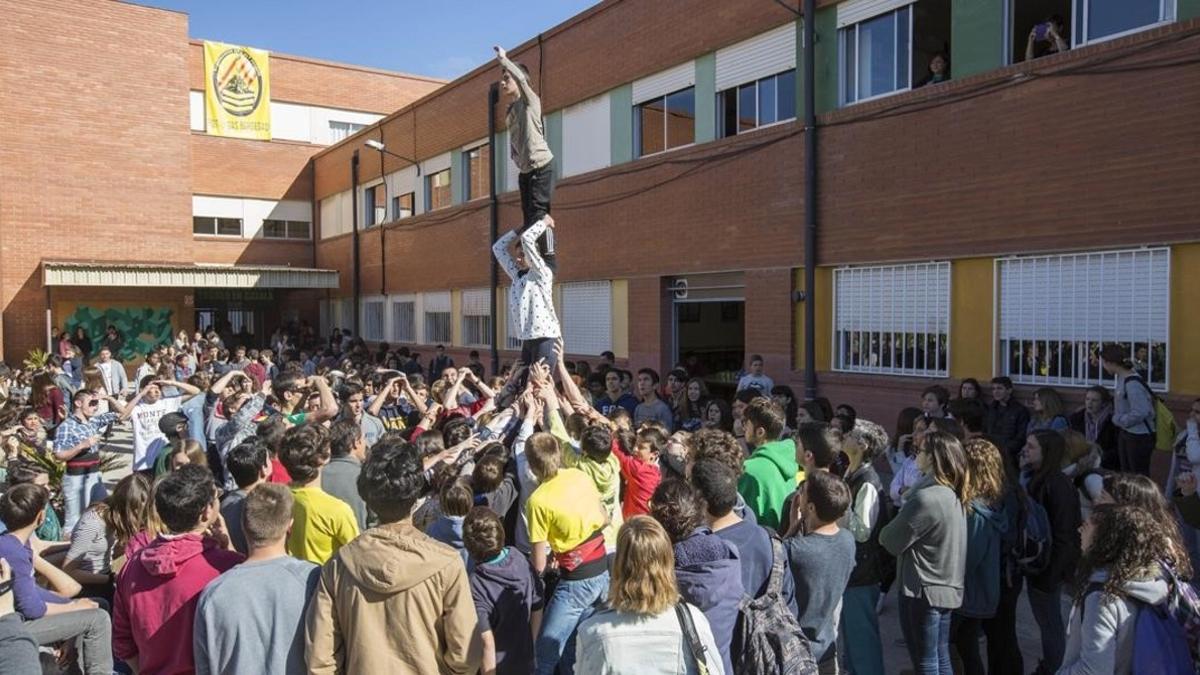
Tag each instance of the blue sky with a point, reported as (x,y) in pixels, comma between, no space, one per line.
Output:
(443,38)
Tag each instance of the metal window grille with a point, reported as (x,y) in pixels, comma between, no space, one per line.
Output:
(587,317)
(372,320)
(893,319)
(1056,313)
(435,308)
(404,321)
(476,317)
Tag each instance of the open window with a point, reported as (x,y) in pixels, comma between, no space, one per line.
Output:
(1033,24)
(891,46)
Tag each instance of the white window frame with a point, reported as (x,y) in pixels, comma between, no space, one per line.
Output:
(343,130)
(758,125)
(1167,11)
(369,209)
(892,313)
(437,302)
(429,207)
(1095,326)
(377,303)
(843,65)
(475,303)
(393,315)
(217,228)
(466,165)
(637,121)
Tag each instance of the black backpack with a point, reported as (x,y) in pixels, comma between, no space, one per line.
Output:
(768,639)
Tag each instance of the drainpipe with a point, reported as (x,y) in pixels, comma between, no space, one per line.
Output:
(810,203)
(494,218)
(354,240)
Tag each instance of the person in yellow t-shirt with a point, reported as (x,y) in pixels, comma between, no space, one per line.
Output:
(322,523)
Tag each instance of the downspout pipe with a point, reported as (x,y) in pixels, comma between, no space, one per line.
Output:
(810,202)
(354,241)
(494,223)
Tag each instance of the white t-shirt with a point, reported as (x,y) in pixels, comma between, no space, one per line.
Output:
(145,429)
(759,382)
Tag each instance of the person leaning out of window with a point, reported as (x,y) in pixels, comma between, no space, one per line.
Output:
(1047,37)
(939,70)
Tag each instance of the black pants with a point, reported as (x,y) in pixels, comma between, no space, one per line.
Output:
(537,186)
(531,352)
(1135,452)
(1003,649)
(964,636)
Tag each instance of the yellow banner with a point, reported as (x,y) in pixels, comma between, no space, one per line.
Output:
(237,91)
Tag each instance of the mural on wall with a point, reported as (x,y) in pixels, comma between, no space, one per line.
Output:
(142,328)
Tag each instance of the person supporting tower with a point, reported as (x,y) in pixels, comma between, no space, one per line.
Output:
(531,316)
(528,147)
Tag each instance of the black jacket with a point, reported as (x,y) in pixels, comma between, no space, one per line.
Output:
(1007,424)
(1106,438)
(1058,496)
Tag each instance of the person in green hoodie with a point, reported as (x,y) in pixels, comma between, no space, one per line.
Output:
(769,474)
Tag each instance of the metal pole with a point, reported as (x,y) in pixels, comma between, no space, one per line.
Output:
(810,202)
(494,218)
(354,240)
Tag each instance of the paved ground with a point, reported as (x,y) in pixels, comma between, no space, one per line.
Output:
(895,656)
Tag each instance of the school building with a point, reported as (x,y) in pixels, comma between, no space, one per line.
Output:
(1006,222)
(117,206)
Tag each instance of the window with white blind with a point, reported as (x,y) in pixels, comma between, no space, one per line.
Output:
(586,317)
(476,318)
(340,131)
(372,320)
(404,320)
(892,319)
(510,341)
(1056,313)
(435,316)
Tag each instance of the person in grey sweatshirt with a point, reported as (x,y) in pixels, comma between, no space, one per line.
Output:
(929,537)
(251,618)
(1133,412)
(1118,577)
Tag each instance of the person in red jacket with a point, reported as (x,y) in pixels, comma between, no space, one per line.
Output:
(157,591)
(640,470)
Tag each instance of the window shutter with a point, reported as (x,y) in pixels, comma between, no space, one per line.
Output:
(587,317)
(665,82)
(762,55)
(586,137)
(849,13)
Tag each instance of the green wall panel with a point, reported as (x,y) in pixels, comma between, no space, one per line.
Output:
(706,98)
(976,36)
(620,106)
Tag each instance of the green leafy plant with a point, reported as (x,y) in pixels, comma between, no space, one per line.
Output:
(36,359)
(56,469)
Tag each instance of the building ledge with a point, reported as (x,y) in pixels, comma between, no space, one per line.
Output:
(184,275)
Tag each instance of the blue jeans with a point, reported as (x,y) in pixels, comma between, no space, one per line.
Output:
(1047,611)
(568,604)
(78,493)
(926,632)
(860,630)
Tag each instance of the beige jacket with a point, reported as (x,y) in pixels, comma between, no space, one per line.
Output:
(396,602)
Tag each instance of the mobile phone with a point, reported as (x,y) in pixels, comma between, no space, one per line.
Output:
(1041,31)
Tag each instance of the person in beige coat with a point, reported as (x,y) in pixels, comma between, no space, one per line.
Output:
(393,600)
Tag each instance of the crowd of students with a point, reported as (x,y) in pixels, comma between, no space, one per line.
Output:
(360,519)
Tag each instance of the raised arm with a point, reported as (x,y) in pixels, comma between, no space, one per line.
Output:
(329,405)
(514,71)
(129,407)
(500,251)
(529,246)
(224,381)
(188,390)
(382,397)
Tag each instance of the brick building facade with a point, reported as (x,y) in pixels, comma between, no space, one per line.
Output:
(98,163)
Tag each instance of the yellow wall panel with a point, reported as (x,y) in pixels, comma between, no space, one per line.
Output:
(823,296)
(1185,319)
(972,311)
(620,318)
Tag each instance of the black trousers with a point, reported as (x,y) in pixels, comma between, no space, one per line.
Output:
(537,187)
(1135,452)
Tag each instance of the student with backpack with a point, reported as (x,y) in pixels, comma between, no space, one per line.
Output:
(1133,412)
(1045,483)
(1120,588)
(929,537)
(987,524)
(868,512)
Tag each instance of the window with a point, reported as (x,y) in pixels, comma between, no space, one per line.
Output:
(875,56)
(755,104)
(1102,19)
(437,190)
(374,205)
(340,131)
(478,163)
(476,318)
(404,320)
(402,206)
(587,317)
(286,229)
(372,320)
(1057,312)
(436,310)
(225,227)
(665,122)
(892,319)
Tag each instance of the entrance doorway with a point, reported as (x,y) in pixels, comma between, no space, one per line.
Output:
(709,326)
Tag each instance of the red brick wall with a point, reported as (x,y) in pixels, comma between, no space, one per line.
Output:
(94,146)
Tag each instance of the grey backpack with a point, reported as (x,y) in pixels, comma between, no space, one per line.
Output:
(767,639)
